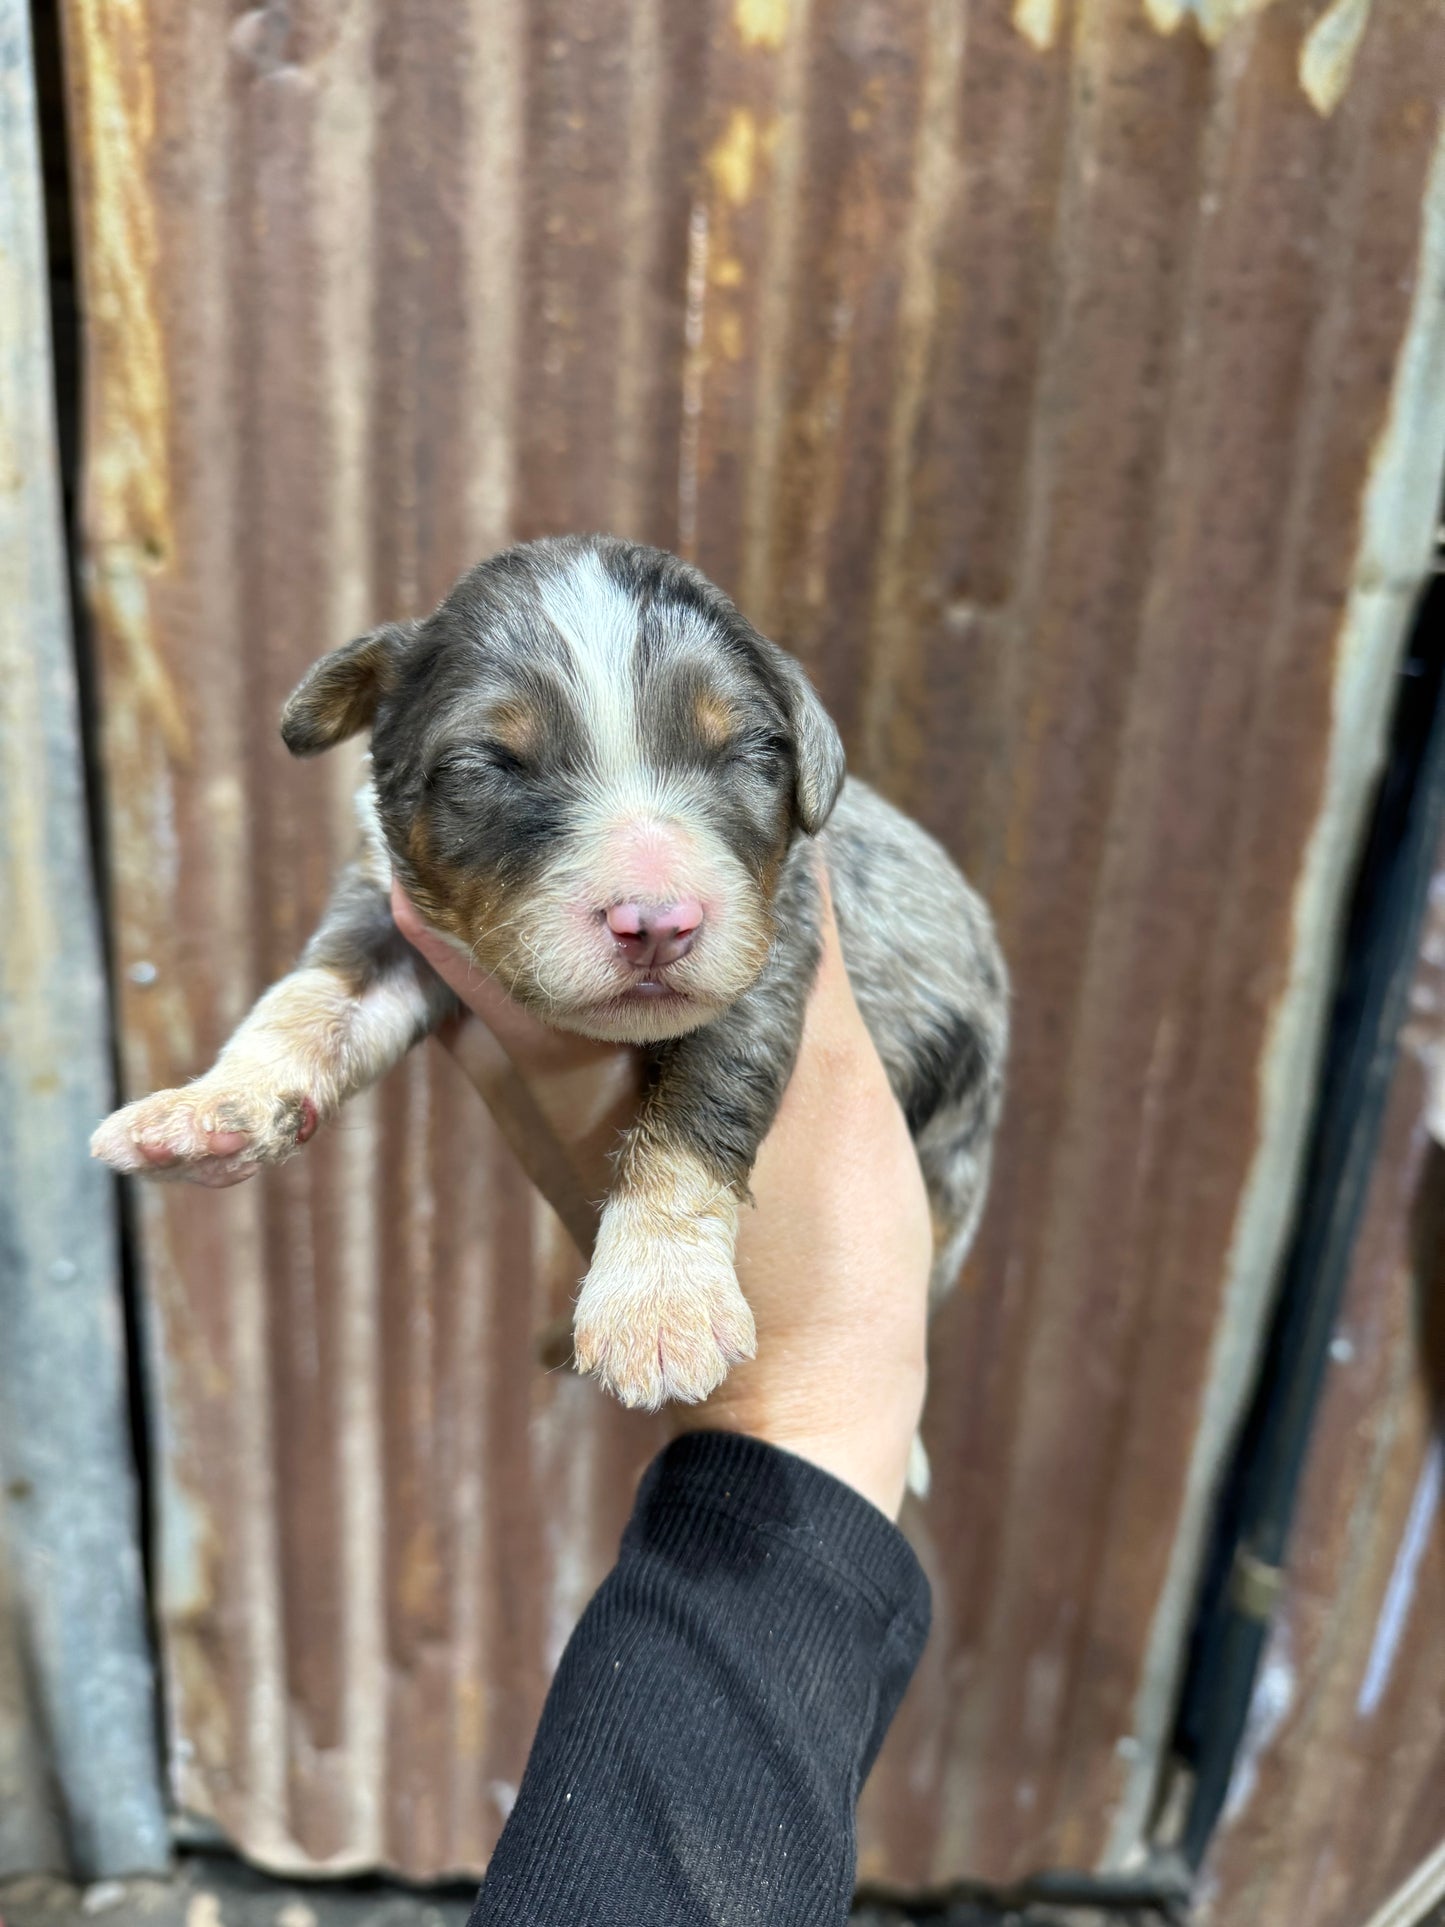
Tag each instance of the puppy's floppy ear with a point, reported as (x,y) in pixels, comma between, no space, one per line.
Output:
(339,695)
(817,744)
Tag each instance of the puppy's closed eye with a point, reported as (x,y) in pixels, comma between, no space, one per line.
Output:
(475,762)
(504,758)
(758,751)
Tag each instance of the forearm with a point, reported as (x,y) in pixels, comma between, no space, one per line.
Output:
(718,1707)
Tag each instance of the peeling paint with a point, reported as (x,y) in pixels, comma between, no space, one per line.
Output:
(1328,55)
(121,599)
(1038,21)
(1404,1579)
(187,1556)
(1275,1692)
(1327,52)
(1214,17)
(761,23)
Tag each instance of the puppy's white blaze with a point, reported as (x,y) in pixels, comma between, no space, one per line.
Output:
(657,862)
(598,621)
(635,793)
(644,833)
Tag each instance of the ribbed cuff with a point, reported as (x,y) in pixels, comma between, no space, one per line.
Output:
(749,1487)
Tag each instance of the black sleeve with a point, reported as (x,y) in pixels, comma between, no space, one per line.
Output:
(718,1707)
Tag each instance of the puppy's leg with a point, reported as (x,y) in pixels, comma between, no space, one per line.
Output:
(356,1003)
(660,1315)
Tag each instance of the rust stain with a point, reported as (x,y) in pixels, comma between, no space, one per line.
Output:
(733,160)
(471,1719)
(128,496)
(119,598)
(731,341)
(422,1575)
(130,466)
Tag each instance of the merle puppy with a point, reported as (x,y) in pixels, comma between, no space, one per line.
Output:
(598,780)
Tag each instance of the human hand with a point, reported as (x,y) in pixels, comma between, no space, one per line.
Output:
(833,1260)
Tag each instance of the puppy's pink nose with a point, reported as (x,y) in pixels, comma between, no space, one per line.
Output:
(652,934)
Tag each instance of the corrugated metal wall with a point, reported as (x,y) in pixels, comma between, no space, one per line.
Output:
(1031,372)
(80,1783)
(1338,1796)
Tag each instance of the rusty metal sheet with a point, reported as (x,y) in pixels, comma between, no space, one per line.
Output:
(79,1768)
(1337,1802)
(1026,367)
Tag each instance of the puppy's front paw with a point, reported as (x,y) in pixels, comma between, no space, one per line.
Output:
(661,1315)
(213,1132)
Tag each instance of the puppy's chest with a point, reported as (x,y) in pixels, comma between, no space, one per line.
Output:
(374,858)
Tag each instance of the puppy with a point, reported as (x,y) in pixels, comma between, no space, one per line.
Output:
(597,779)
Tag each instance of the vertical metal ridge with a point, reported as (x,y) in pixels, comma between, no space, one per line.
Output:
(346,161)
(781,144)
(895,597)
(493,79)
(638,251)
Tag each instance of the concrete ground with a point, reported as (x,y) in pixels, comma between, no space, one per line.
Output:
(211,1891)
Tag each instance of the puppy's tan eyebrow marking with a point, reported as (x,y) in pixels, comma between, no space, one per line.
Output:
(517,727)
(714,717)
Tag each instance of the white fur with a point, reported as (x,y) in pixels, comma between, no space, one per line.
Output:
(569,953)
(661,1314)
(375,856)
(309,1038)
(598,620)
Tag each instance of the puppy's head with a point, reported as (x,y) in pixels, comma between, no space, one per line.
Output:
(589,768)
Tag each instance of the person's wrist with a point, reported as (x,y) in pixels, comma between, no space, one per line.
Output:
(862,1436)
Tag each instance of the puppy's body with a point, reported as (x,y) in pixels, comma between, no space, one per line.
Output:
(598,780)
